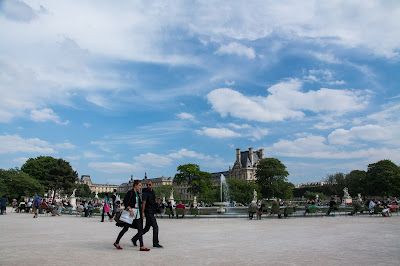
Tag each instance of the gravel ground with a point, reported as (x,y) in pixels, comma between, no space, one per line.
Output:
(70,240)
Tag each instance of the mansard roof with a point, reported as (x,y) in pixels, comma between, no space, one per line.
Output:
(245,158)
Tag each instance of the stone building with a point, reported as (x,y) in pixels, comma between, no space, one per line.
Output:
(85,179)
(244,168)
(246,164)
(158,181)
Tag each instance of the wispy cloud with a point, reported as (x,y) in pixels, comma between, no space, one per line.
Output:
(217,132)
(15,143)
(286,101)
(236,48)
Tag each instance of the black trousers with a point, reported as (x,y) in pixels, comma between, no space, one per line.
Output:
(139,236)
(102,215)
(115,208)
(151,222)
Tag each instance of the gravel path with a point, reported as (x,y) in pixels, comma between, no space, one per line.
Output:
(70,240)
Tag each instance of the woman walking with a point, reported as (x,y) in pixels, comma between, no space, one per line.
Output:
(106,207)
(132,201)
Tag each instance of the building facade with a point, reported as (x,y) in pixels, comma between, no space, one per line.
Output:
(99,188)
(246,164)
(244,168)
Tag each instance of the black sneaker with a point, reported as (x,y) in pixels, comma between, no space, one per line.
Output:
(134,242)
(157,246)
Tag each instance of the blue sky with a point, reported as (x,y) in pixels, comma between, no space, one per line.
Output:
(120,89)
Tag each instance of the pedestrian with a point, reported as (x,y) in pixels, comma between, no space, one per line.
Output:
(132,201)
(106,207)
(36,204)
(114,204)
(149,207)
(3,205)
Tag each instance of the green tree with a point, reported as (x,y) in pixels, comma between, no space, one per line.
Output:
(51,173)
(16,183)
(355,182)
(269,173)
(336,184)
(199,182)
(285,190)
(383,179)
(165,191)
(313,195)
(241,190)
(83,191)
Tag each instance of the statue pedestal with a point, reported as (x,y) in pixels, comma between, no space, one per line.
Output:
(72,200)
(347,200)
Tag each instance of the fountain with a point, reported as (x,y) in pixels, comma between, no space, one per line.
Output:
(225,193)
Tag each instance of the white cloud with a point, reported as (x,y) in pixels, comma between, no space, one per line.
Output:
(323,76)
(46,114)
(87,125)
(154,160)
(370,133)
(15,143)
(286,100)
(103,145)
(317,147)
(236,48)
(186,116)
(20,160)
(326,57)
(65,145)
(230,83)
(73,158)
(218,132)
(236,126)
(187,153)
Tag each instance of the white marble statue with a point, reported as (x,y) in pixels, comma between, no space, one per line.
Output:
(195,202)
(73,193)
(255,196)
(359,197)
(346,193)
(171,196)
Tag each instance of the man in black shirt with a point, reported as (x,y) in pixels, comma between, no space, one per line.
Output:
(114,203)
(149,207)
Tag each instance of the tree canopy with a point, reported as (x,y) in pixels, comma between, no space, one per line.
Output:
(51,173)
(199,182)
(241,190)
(270,174)
(15,184)
(165,191)
(355,182)
(383,178)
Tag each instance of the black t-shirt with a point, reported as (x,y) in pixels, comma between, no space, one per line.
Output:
(113,197)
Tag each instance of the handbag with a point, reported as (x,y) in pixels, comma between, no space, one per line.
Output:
(126,216)
(106,208)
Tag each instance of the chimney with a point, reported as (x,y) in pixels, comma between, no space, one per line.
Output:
(251,155)
(262,153)
(238,159)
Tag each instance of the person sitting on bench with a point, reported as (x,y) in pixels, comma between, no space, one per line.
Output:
(48,208)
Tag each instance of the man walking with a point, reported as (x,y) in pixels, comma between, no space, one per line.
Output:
(114,203)
(149,207)
(36,204)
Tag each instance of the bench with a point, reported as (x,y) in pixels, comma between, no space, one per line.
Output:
(179,212)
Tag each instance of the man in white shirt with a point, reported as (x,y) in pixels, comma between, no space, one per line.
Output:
(372,205)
